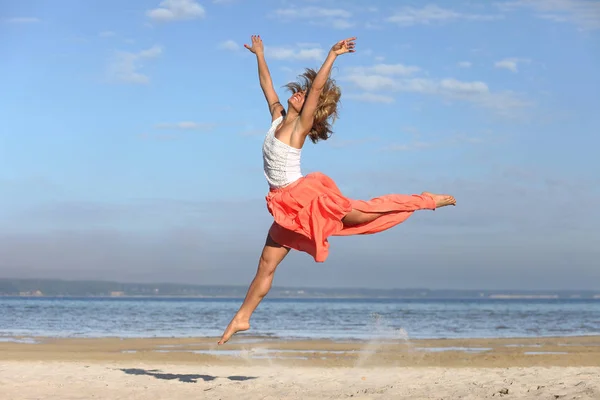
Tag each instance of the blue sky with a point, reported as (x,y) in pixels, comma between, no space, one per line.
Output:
(131,139)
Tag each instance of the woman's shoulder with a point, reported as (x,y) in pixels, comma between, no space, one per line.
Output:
(275,123)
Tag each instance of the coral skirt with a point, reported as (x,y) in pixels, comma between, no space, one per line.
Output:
(309,210)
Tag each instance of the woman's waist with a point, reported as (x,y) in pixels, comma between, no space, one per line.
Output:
(279,185)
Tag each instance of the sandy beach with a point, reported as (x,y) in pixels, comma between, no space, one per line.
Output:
(267,368)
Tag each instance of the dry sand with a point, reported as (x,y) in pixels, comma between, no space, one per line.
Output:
(260,368)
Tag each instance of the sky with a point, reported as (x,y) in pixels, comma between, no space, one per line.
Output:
(131,134)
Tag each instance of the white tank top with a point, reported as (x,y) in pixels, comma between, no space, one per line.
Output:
(281,162)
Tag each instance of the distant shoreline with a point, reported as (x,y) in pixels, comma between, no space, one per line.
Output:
(57,288)
(174,297)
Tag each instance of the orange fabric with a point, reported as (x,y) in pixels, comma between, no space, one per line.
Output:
(311,209)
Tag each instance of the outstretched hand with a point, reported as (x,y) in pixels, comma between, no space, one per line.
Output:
(344,46)
(257,45)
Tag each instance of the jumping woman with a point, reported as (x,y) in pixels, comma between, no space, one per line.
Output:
(308,209)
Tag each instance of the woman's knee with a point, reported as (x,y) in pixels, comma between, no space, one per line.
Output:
(267,265)
(356,217)
(272,255)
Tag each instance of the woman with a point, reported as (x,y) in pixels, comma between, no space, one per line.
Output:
(308,209)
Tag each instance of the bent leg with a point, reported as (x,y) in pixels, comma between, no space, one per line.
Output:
(272,255)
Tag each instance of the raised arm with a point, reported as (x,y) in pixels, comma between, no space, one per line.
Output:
(266,84)
(312,98)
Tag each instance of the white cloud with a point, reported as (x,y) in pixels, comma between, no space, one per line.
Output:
(186,125)
(584,13)
(503,102)
(152,52)
(341,24)
(370,83)
(229,45)
(507,64)
(23,20)
(379,81)
(174,10)
(159,136)
(455,140)
(308,44)
(291,53)
(510,64)
(464,64)
(412,146)
(337,18)
(126,65)
(312,12)
(465,88)
(378,76)
(370,97)
(408,16)
(385,69)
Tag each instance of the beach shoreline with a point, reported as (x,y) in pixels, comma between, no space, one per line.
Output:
(495,352)
(250,367)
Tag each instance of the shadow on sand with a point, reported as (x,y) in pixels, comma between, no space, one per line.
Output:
(187,378)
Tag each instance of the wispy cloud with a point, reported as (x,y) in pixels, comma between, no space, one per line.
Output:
(22,20)
(312,12)
(297,52)
(229,45)
(510,64)
(385,69)
(385,79)
(341,23)
(185,125)
(422,142)
(126,65)
(338,143)
(453,141)
(162,137)
(370,97)
(337,18)
(464,64)
(583,13)
(106,34)
(408,16)
(176,10)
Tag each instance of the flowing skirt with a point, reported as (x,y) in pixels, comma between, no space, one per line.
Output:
(310,210)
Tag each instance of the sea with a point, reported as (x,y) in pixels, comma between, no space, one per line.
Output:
(337,319)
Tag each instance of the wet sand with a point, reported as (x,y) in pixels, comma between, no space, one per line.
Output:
(267,368)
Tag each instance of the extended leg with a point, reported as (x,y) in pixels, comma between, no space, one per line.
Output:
(358,217)
(271,256)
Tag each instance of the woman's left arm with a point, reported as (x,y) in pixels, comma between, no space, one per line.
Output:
(312,98)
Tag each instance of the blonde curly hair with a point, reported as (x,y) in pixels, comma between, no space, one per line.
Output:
(327,108)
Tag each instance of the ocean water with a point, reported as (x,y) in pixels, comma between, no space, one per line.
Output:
(338,319)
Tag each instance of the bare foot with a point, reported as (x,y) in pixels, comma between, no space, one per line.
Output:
(442,200)
(234,327)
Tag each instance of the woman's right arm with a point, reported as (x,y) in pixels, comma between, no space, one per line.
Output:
(264,76)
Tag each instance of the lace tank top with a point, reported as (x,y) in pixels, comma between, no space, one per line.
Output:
(281,162)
